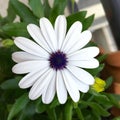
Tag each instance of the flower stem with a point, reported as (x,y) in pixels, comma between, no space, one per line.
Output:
(51,113)
(79,113)
(68,110)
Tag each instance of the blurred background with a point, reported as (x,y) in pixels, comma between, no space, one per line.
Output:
(102,34)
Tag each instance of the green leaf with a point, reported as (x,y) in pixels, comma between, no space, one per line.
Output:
(6,63)
(54,103)
(19,105)
(114,99)
(102,57)
(47,8)
(87,22)
(79,16)
(40,107)
(116,118)
(109,82)
(28,111)
(15,29)
(37,8)
(103,100)
(11,13)
(97,108)
(10,84)
(58,8)
(23,11)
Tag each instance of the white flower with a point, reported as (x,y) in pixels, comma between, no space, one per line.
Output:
(55,60)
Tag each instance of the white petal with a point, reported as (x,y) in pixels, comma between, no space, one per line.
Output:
(29,66)
(36,34)
(72,35)
(61,88)
(71,86)
(91,63)
(48,33)
(30,47)
(60,29)
(31,78)
(84,38)
(81,75)
(49,93)
(40,85)
(80,85)
(24,56)
(84,54)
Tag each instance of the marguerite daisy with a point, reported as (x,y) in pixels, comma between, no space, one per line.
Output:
(55,60)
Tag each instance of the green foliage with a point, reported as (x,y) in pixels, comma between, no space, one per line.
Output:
(88,22)
(18,106)
(37,8)
(6,63)
(58,8)
(23,11)
(14,102)
(79,16)
(10,84)
(15,29)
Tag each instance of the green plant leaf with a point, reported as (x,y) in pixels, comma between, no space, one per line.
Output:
(58,8)
(19,105)
(88,22)
(24,12)
(116,118)
(109,82)
(28,111)
(79,16)
(97,108)
(54,103)
(10,84)
(10,13)
(103,100)
(37,8)
(102,57)
(6,63)
(114,99)
(15,29)
(47,8)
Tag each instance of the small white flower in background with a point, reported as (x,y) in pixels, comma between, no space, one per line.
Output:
(55,60)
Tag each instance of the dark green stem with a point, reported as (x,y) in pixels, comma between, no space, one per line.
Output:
(79,113)
(51,113)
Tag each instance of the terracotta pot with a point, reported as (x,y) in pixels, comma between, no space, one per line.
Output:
(112,68)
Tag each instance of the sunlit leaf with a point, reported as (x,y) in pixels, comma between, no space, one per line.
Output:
(15,29)
(79,16)
(37,8)
(23,11)
(58,8)
(88,22)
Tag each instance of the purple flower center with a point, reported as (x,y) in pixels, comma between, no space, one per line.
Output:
(58,60)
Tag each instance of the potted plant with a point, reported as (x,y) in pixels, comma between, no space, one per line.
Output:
(56,70)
